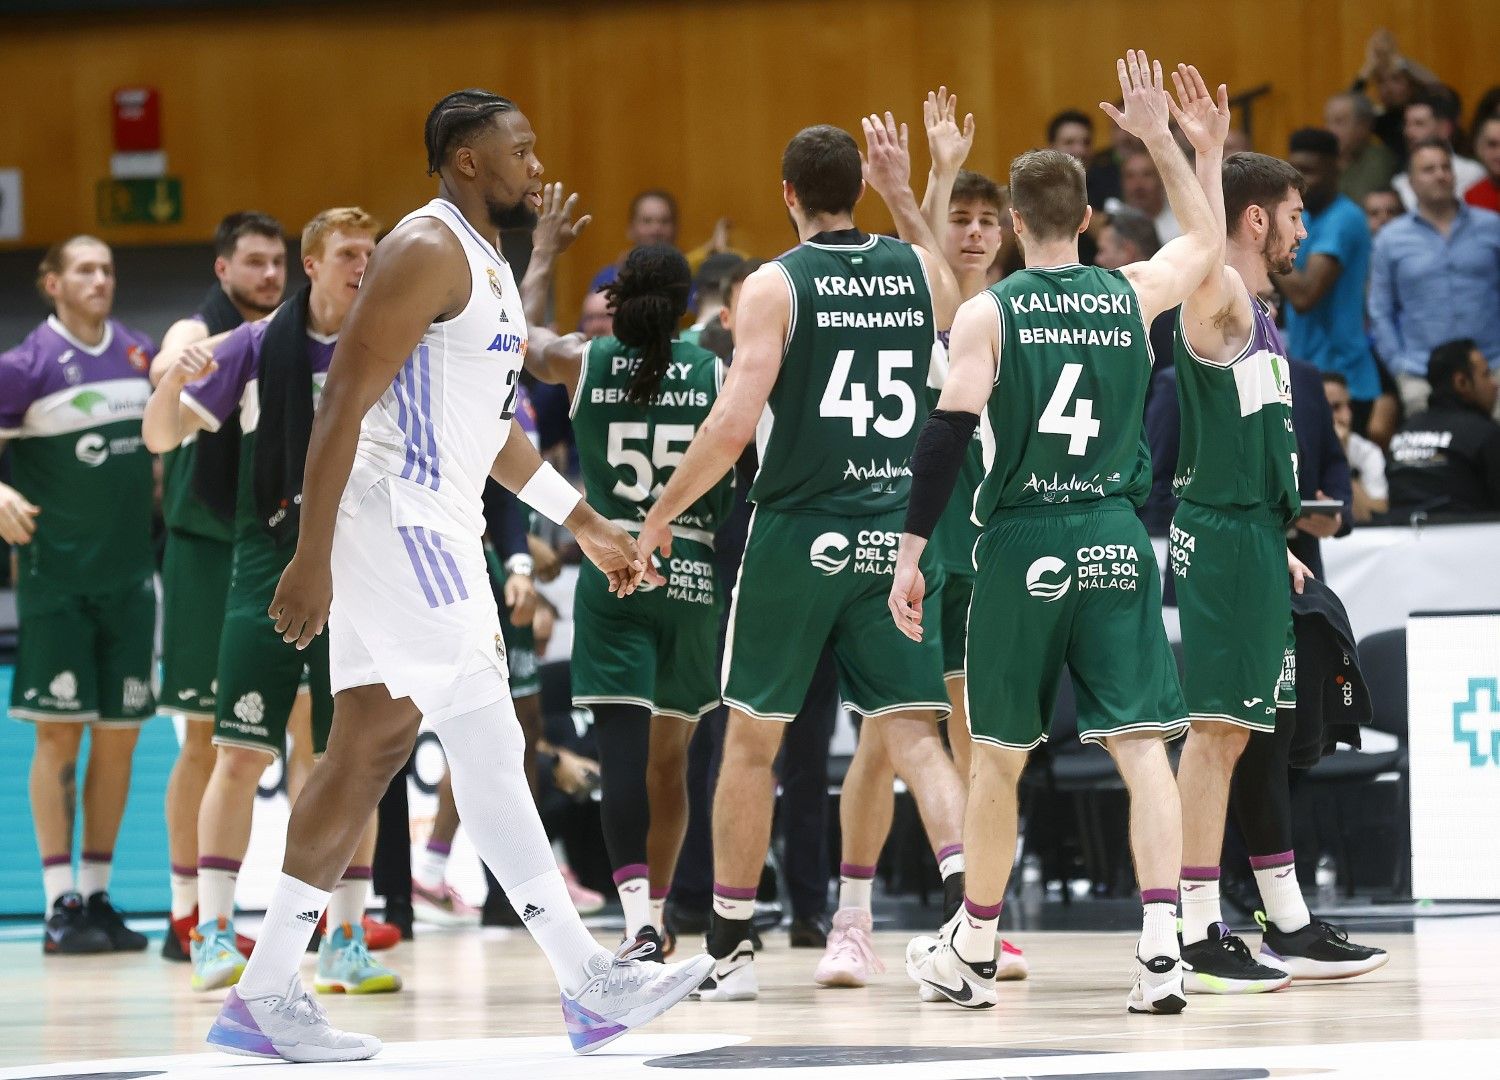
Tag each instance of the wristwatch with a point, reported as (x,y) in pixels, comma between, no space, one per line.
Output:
(520,564)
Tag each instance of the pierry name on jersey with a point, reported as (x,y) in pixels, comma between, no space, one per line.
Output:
(862,288)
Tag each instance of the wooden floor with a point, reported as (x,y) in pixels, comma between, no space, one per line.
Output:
(1427,1013)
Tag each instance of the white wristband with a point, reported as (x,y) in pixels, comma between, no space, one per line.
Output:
(550,495)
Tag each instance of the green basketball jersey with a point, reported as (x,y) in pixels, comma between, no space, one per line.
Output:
(628,452)
(1063,423)
(953,539)
(1239,449)
(842,419)
(180,507)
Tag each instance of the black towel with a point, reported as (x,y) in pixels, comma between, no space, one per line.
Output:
(216,464)
(286,416)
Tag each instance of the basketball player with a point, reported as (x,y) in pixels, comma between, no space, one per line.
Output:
(417,411)
(832,347)
(1057,355)
(645,667)
(71,396)
(1237,478)
(961,219)
(268,373)
(250,265)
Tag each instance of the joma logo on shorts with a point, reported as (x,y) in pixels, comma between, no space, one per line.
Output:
(1047,591)
(829,553)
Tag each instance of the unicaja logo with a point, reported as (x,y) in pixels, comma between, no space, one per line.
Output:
(1047,591)
(91,449)
(829,553)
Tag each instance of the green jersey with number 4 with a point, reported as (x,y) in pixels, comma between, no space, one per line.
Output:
(1063,423)
(629,451)
(842,419)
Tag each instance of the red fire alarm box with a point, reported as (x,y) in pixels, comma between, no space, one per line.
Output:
(137,119)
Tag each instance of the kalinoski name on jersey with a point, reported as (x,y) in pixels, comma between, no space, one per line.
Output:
(1071,302)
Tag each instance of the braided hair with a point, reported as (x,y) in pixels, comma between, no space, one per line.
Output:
(649,298)
(455,118)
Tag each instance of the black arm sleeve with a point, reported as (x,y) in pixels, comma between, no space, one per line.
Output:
(504,521)
(935,464)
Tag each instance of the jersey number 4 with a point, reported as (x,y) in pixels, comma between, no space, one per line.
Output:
(1079,427)
(667,447)
(845,398)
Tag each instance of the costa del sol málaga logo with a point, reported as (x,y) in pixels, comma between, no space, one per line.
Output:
(829,553)
(1047,591)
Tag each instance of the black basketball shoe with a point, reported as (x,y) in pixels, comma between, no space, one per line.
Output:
(69,930)
(104,915)
(1319,950)
(1222,964)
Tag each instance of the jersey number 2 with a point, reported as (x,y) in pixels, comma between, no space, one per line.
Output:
(857,406)
(508,410)
(1081,426)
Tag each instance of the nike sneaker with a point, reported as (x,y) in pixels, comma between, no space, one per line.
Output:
(217,963)
(69,930)
(111,920)
(942,975)
(345,965)
(849,959)
(732,978)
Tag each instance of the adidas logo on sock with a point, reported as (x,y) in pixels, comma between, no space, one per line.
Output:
(530,912)
(308,916)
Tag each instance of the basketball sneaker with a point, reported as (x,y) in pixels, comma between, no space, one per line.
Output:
(107,917)
(627,992)
(217,963)
(345,965)
(1010,966)
(291,1026)
(1222,964)
(69,930)
(379,936)
(850,956)
(942,975)
(176,944)
(732,978)
(1158,986)
(441,906)
(1318,951)
(655,946)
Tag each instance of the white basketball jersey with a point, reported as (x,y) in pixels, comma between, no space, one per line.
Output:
(434,434)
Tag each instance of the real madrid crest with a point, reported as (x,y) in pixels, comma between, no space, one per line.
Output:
(499,641)
(495,283)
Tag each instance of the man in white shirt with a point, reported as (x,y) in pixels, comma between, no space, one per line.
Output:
(1435,116)
(1366,459)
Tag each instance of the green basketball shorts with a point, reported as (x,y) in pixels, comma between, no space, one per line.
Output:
(953,601)
(259,676)
(1235,600)
(656,648)
(519,641)
(85,657)
(1077,586)
(195,588)
(811,579)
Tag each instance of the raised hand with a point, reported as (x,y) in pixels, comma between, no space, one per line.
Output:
(1147,113)
(195,362)
(887,163)
(1202,119)
(555,229)
(948,144)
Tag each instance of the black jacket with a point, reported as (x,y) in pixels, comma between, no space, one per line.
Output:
(1332,698)
(1445,460)
(1321,464)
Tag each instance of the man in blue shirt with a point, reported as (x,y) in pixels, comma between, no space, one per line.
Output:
(1325,292)
(1435,276)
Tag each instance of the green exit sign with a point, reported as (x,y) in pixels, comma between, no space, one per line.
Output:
(152,201)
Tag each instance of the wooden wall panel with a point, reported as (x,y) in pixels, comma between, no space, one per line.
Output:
(298,108)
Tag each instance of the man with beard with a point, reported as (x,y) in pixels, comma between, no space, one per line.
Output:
(1237,479)
(418,409)
(198,484)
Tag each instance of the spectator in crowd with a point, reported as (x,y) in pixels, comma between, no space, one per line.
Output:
(1366,460)
(1489,105)
(1486,192)
(1128,236)
(708,292)
(1382,206)
(1397,79)
(594,318)
(1103,174)
(1072,132)
(653,220)
(1366,163)
(1322,470)
(1435,116)
(1435,273)
(1141,189)
(1446,459)
(1325,290)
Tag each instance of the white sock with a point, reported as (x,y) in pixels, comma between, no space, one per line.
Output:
(93,874)
(635,897)
(855,885)
(432,868)
(731,907)
(975,933)
(350,898)
(184,891)
(57,879)
(1200,902)
(484,750)
(1158,931)
(659,914)
(950,861)
(216,890)
(291,918)
(1280,893)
